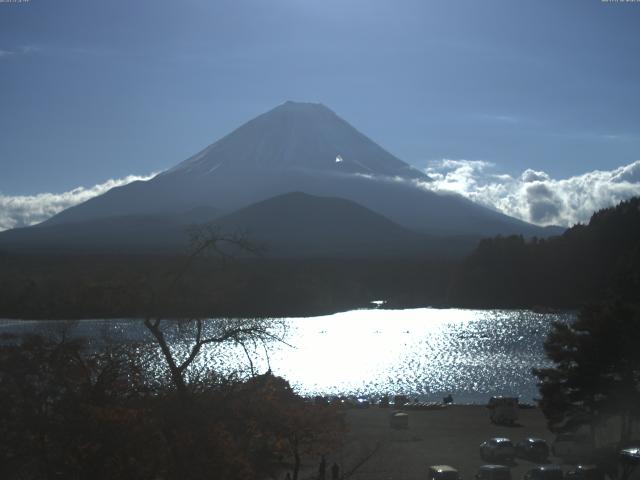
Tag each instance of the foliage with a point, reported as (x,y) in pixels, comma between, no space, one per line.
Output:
(295,427)
(71,412)
(584,264)
(596,372)
(75,410)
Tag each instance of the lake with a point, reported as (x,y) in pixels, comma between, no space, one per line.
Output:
(425,353)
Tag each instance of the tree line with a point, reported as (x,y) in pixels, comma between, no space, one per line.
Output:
(593,383)
(586,263)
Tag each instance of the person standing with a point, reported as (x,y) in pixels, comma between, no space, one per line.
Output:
(322,469)
(335,471)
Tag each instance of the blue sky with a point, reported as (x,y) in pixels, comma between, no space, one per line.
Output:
(95,90)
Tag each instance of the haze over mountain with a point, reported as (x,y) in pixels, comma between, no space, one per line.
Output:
(299,147)
(289,225)
(296,147)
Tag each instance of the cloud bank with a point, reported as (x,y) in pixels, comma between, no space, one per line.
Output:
(534,196)
(25,210)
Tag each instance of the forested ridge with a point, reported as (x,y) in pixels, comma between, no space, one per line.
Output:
(116,286)
(583,265)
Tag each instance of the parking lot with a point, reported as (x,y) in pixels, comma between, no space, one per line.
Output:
(449,436)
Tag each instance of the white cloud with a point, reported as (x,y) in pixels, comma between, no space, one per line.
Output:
(25,210)
(534,196)
(530,175)
(19,51)
(498,118)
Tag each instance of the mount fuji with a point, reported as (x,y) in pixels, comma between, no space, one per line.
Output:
(295,147)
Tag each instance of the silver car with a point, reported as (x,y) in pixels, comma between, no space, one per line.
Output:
(498,448)
(585,472)
(545,472)
(533,448)
(493,472)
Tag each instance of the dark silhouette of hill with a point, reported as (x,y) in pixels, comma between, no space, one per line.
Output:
(153,234)
(583,265)
(297,224)
(301,147)
(289,225)
(124,234)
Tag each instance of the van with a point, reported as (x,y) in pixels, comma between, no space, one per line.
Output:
(504,410)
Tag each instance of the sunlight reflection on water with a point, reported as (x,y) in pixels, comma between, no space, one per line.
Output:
(425,353)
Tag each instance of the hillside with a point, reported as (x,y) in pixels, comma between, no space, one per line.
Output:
(300,147)
(290,225)
(297,224)
(580,266)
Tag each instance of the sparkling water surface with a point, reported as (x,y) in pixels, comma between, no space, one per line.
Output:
(424,353)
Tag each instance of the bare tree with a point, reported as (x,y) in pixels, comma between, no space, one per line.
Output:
(225,246)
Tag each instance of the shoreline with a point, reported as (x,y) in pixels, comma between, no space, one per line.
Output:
(536,310)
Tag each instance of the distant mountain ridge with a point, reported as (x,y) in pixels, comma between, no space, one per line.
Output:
(295,147)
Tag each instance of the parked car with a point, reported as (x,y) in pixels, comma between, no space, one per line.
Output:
(498,448)
(493,472)
(630,456)
(399,420)
(504,410)
(442,472)
(400,401)
(585,472)
(545,472)
(572,446)
(629,462)
(533,448)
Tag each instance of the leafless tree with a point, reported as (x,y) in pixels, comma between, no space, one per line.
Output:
(225,246)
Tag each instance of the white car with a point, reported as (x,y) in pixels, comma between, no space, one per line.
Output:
(443,472)
(498,448)
(630,456)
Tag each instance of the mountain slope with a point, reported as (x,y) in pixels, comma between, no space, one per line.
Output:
(296,136)
(119,234)
(141,233)
(300,147)
(289,225)
(298,224)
